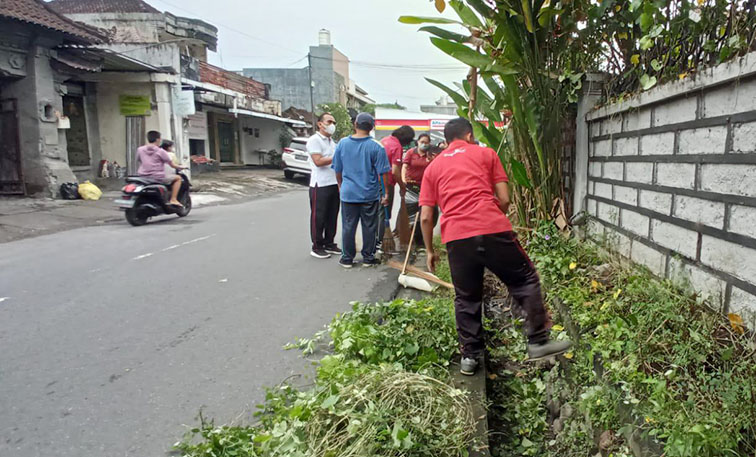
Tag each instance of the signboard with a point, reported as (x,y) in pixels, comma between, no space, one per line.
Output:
(197,128)
(183,102)
(135,105)
(438,124)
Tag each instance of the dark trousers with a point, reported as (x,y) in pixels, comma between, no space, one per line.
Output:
(324,215)
(366,214)
(382,215)
(503,255)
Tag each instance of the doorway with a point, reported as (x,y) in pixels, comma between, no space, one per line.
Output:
(11,177)
(226,142)
(135,137)
(76,136)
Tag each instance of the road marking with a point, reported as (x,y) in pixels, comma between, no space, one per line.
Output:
(171,247)
(143,256)
(175,246)
(2,299)
(197,240)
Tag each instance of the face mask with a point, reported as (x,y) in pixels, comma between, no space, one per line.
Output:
(330,129)
(424,147)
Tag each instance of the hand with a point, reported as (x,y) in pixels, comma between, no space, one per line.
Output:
(403,192)
(432,260)
(385,200)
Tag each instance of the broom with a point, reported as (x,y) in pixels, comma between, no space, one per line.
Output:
(388,238)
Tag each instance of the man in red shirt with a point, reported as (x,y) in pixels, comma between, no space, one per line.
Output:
(468,182)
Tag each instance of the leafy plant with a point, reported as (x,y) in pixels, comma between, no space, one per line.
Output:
(343,119)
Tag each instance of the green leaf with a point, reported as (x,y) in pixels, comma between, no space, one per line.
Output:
(467,15)
(426,20)
(330,401)
(656,65)
(646,43)
(647,82)
(262,438)
(473,58)
(456,96)
(411,348)
(527,15)
(526,443)
(449,35)
(520,174)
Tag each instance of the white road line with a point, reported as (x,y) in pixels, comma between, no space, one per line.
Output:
(169,248)
(143,256)
(2,299)
(197,240)
(175,246)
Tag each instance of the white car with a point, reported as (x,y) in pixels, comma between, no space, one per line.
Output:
(295,160)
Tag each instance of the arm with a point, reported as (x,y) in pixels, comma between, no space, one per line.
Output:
(427,224)
(396,170)
(321,161)
(405,170)
(339,179)
(384,196)
(502,194)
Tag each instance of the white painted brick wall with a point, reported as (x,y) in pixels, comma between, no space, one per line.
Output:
(744,304)
(659,144)
(642,172)
(656,201)
(592,207)
(603,190)
(602,148)
(731,99)
(618,242)
(678,239)
(737,260)
(611,125)
(678,111)
(700,211)
(638,120)
(709,140)
(635,222)
(596,229)
(594,170)
(743,220)
(626,195)
(614,170)
(676,175)
(626,146)
(651,258)
(708,287)
(729,179)
(608,213)
(744,137)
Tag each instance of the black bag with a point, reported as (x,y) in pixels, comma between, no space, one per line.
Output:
(69,191)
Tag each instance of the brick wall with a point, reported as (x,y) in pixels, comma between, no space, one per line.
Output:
(672,182)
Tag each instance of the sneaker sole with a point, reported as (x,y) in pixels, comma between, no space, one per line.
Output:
(544,357)
(467,373)
(334,252)
(346,267)
(318,256)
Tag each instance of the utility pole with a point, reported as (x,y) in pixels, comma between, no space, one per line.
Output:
(312,96)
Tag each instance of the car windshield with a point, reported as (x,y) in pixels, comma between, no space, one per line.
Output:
(298,146)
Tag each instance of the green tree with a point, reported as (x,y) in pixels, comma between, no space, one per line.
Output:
(370,108)
(343,119)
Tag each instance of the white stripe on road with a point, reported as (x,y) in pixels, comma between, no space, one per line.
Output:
(143,256)
(198,240)
(2,299)
(175,246)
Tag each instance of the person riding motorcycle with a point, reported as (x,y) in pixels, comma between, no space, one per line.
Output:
(152,160)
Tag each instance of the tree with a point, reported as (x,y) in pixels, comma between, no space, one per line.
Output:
(370,108)
(343,119)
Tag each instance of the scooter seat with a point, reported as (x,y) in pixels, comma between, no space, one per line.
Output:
(142,180)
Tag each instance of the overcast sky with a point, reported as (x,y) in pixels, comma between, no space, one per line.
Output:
(278,33)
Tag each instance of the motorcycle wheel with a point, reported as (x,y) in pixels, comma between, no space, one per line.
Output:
(135,218)
(187,202)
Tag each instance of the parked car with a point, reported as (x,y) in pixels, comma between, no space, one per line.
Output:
(294,159)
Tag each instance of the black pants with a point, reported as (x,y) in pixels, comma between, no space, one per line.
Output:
(324,215)
(503,255)
(366,214)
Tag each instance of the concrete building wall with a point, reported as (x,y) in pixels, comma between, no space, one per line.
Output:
(257,137)
(290,86)
(672,182)
(125,27)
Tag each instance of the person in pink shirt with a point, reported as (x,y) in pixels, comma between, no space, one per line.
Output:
(394,145)
(152,160)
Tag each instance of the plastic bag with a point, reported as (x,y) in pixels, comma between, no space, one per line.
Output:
(69,191)
(89,191)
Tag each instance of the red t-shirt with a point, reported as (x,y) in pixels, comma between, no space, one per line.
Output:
(394,152)
(461,181)
(416,165)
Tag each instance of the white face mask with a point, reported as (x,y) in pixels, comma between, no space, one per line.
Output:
(330,129)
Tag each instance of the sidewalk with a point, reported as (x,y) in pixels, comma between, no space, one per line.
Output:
(29,217)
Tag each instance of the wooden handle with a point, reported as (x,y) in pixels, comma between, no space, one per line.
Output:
(412,239)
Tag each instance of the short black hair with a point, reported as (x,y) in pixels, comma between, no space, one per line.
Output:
(423,135)
(153,136)
(366,126)
(435,150)
(323,115)
(457,129)
(405,134)
(166,144)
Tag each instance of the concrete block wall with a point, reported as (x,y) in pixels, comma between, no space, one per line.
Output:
(672,182)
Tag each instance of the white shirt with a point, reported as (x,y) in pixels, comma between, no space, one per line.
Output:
(325,146)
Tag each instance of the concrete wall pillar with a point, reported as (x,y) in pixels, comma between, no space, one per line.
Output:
(593,85)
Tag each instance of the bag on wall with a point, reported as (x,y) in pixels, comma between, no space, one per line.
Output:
(69,191)
(89,191)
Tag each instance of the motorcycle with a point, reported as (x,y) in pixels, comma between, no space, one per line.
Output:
(144,198)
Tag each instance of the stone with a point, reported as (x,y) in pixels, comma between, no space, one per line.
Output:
(602,148)
(656,201)
(603,190)
(592,207)
(709,140)
(744,137)
(557,426)
(681,175)
(611,125)
(614,170)
(637,120)
(650,258)
(627,195)
(635,222)
(681,110)
(700,211)
(626,146)
(640,172)
(731,258)
(659,144)
(729,179)
(734,98)
(618,242)
(743,220)
(608,213)
(594,170)
(676,238)
(566,411)
(708,287)
(743,304)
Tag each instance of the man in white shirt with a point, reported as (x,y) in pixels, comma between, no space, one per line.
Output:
(324,190)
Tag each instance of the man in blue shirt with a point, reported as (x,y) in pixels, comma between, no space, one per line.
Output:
(362,170)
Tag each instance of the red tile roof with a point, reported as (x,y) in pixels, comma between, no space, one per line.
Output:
(38,13)
(101,6)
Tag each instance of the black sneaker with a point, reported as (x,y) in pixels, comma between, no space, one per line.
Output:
(333,249)
(371,263)
(320,254)
(346,264)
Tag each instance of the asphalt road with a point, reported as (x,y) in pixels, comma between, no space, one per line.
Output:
(114,337)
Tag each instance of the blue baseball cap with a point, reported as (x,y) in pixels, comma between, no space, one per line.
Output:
(364,120)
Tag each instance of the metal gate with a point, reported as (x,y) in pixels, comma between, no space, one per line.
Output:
(135,137)
(11,176)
